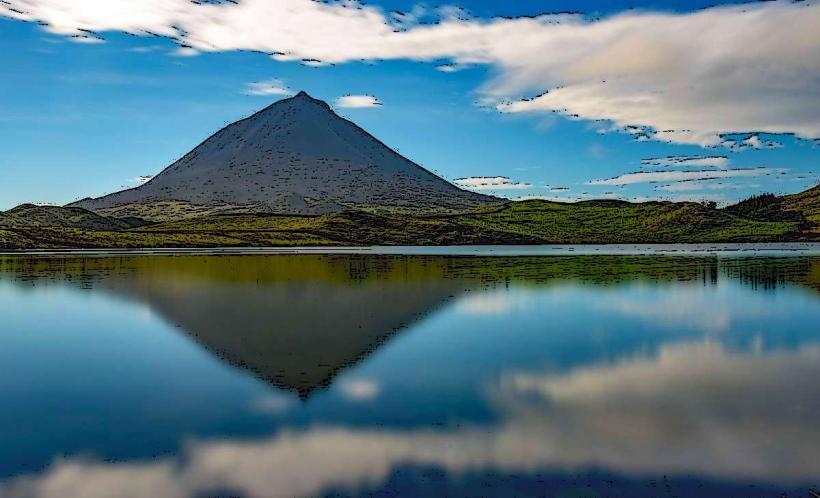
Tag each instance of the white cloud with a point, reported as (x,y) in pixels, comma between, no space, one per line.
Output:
(409,18)
(314,63)
(267,87)
(357,101)
(185,52)
(751,142)
(687,78)
(672,176)
(141,179)
(490,183)
(452,68)
(688,161)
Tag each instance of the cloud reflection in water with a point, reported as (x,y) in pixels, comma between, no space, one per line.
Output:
(693,409)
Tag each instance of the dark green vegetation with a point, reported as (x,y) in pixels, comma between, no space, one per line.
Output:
(759,219)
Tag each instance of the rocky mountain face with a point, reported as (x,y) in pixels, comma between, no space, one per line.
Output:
(295,156)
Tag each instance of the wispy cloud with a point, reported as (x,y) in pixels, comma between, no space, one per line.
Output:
(314,63)
(637,70)
(452,68)
(85,39)
(145,49)
(491,183)
(267,87)
(676,176)
(688,161)
(358,101)
(552,198)
(696,185)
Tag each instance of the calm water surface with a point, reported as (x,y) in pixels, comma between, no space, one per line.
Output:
(410,375)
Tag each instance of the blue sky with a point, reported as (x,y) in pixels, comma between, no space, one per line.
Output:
(91,103)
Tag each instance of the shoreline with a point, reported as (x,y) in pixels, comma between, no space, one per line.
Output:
(703,249)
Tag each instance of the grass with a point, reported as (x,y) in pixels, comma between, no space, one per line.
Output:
(526,222)
(623,222)
(808,204)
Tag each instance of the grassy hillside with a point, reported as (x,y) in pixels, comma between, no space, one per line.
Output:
(526,222)
(808,204)
(758,219)
(621,222)
(13,240)
(32,216)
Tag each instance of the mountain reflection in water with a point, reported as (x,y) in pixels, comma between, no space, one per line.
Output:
(416,376)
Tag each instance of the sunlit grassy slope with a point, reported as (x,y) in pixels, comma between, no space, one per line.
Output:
(808,205)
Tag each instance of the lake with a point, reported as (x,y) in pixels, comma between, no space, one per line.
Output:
(568,372)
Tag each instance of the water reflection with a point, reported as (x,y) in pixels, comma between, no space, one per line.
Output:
(583,376)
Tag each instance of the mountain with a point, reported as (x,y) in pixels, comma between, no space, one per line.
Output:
(295,156)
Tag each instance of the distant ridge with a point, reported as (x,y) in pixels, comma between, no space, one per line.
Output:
(295,156)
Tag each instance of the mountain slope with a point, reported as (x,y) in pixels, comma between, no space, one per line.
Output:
(296,156)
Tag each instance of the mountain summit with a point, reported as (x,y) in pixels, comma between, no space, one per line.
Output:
(295,156)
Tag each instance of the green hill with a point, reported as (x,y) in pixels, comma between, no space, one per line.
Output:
(526,222)
(759,219)
(33,216)
(807,203)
